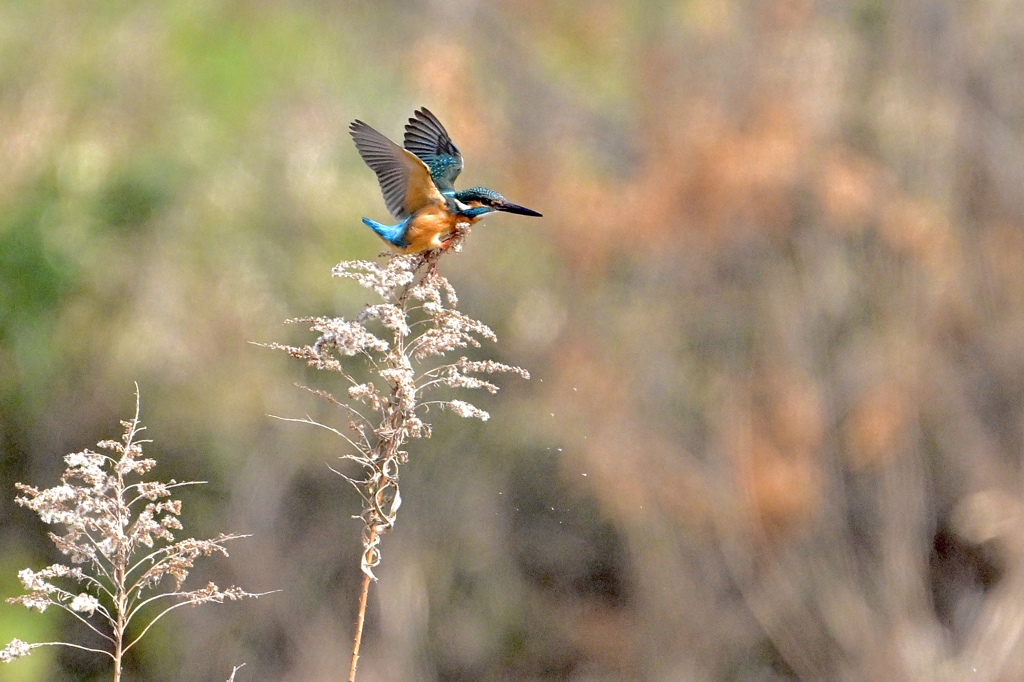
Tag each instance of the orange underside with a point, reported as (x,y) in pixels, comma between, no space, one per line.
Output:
(429,227)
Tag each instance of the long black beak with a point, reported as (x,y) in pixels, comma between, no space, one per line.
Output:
(509,207)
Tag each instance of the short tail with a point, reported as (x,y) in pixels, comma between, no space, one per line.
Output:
(392,234)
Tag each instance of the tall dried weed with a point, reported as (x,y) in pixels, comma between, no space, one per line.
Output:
(404,345)
(125,569)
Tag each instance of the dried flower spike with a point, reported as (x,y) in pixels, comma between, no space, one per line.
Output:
(404,343)
(400,341)
(119,536)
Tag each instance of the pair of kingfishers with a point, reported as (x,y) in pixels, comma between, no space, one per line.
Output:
(418,185)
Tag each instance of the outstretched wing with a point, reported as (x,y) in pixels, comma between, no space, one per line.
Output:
(426,138)
(404,180)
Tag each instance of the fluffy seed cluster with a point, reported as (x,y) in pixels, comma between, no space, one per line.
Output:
(404,342)
(119,536)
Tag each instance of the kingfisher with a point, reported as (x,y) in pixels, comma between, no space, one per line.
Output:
(417,182)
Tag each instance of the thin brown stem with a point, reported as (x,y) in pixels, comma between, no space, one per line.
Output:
(361,618)
(122,554)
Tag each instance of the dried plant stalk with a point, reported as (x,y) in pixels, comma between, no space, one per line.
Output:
(119,537)
(404,341)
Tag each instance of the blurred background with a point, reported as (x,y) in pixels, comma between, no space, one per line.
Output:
(774,315)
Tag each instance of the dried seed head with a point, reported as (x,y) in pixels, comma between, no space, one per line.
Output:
(403,339)
(109,518)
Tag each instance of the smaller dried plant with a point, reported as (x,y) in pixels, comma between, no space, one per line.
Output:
(119,538)
(400,345)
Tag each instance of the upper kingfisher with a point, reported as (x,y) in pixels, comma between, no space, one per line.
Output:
(417,184)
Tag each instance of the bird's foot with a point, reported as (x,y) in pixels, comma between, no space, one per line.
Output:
(454,239)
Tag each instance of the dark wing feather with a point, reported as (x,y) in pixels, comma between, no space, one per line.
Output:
(404,180)
(426,138)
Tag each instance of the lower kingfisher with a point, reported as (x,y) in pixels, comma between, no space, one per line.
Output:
(417,185)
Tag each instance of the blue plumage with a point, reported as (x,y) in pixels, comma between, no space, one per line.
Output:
(426,138)
(418,185)
(392,234)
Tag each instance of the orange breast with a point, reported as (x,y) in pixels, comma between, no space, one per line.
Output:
(427,227)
